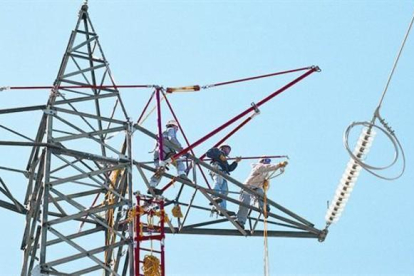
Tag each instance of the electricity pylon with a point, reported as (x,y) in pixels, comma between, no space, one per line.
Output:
(80,195)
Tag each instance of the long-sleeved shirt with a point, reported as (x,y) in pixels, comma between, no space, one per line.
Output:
(259,173)
(216,156)
(170,134)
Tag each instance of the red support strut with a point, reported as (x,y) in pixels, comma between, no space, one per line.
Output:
(263,101)
(145,108)
(159,125)
(229,135)
(149,209)
(187,142)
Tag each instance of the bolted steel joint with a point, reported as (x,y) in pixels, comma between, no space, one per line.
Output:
(256,108)
(316,68)
(322,235)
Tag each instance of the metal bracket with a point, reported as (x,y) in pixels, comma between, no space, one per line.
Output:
(256,108)
(316,68)
(322,235)
(130,126)
(49,111)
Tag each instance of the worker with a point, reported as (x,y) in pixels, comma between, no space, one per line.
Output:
(259,175)
(170,134)
(219,161)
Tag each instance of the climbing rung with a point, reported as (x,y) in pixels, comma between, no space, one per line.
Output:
(153,237)
(149,250)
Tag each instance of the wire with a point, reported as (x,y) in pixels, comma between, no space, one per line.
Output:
(257,77)
(385,128)
(396,62)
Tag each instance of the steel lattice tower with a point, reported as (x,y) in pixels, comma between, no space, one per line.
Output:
(80,191)
(65,178)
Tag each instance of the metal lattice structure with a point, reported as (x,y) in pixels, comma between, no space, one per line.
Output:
(80,187)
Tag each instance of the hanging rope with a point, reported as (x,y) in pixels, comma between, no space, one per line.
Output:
(266,186)
(110,199)
(150,112)
(266,246)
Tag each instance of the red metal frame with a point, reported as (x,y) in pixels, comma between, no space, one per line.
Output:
(186,141)
(169,90)
(142,237)
(204,155)
(142,202)
(229,135)
(145,108)
(159,125)
(242,114)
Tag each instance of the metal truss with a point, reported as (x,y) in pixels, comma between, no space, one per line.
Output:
(79,183)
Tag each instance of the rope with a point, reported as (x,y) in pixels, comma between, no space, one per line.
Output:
(266,245)
(160,213)
(271,176)
(151,266)
(110,199)
(145,108)
(150,112)
(396,62)
(266,186)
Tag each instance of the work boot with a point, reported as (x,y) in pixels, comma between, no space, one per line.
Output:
(156,191)
(217,200)
(230,213)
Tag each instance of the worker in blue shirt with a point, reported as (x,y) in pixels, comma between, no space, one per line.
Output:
(219,161)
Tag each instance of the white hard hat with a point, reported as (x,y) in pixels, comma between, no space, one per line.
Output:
(172,123)
(265,160)
(224,145)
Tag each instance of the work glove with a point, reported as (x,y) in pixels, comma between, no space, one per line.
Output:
(283,164)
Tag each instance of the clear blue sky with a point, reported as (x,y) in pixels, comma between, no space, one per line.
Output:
(176,43)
